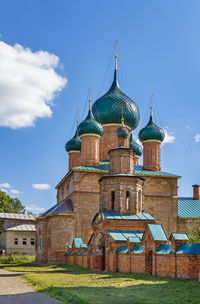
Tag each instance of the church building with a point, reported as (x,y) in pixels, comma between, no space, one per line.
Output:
(112,213)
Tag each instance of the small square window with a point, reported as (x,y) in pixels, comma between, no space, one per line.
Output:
(24,242)
(16,241)
(32,242)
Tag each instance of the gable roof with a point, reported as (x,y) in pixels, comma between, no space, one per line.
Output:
(188,207)
(179,236)
(77,242)
(157,232)
(188,249)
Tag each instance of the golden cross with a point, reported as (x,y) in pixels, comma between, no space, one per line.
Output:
(116,53)
(90,98)
(151,96)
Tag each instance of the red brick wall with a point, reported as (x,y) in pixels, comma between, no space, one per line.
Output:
(121,161)
(74,159)
(89,150)
(151,155)
(123,262)
(138,263)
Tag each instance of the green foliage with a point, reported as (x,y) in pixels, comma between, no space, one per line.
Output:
(195,236)
(8,204)
(77,285)
(17,259)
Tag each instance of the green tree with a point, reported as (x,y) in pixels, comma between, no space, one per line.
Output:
(11,205)
(195,236)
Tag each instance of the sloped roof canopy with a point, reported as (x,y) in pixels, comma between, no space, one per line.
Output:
(65,207)
(188,207)
(164,249)
(188,249)
(157,232)
(179,236)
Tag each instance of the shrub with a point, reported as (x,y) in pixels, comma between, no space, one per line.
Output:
(17,259)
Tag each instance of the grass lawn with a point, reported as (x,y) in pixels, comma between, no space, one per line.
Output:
(74,284)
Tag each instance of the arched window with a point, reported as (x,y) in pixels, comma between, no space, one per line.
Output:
(127,206)
(112,200)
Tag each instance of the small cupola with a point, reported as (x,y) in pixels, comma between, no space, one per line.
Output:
(151,138)
(90,132)
(73,147)
(151,132)
(90,125)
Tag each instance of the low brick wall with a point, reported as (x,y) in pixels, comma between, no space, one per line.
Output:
(138,263)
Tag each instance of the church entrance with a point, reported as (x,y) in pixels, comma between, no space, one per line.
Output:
(100,253)
(148,262)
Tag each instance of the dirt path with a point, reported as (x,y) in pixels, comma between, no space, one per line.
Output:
(13,290)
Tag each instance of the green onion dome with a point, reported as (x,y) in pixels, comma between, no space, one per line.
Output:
(73,144)
(122,132)
(151,131)
(90,126)
(135,147)
(107,109)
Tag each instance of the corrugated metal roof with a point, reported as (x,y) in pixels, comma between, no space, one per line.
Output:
(85,252)
(138,170)
(79,252)
(157,232)
(188,249)
(123,249)
(188,207)
(137,249)
(164,249)
(24,227)
(122,235)
(18,216)
(180,236)
(114,216)
(135,240)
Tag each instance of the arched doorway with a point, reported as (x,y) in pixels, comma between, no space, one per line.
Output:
(100,253)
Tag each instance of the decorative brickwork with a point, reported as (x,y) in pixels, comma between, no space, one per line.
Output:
(90,149)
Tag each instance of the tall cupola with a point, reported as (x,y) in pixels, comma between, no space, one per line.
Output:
(135,148)
(106,111)
(151,138)
(90,132)
(73,147)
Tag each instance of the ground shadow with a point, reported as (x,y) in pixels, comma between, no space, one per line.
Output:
(27,298)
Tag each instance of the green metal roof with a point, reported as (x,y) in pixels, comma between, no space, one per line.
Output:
(157,232)
(164,249)
(134,240)
(123,249)
(115,216)
(180,236)
(122,132)
(73,144)
(122,235)
(137,249)
(134,146)
(151,132)
(90,126)
(107,109)
(78,242)
(138,170)
(188,207)
(85,252)
(79,252)
(188,249)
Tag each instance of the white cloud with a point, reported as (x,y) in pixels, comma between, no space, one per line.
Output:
(197,138)
(4,190)
(28,83)
(14,191)
(5,185)
(34,208)
(41,186)
(169,137)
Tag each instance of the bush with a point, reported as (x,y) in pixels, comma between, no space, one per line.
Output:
(17,259)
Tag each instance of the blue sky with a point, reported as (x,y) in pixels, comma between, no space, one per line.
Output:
(65,46)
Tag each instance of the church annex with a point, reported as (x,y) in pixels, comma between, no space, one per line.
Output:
(112,213)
